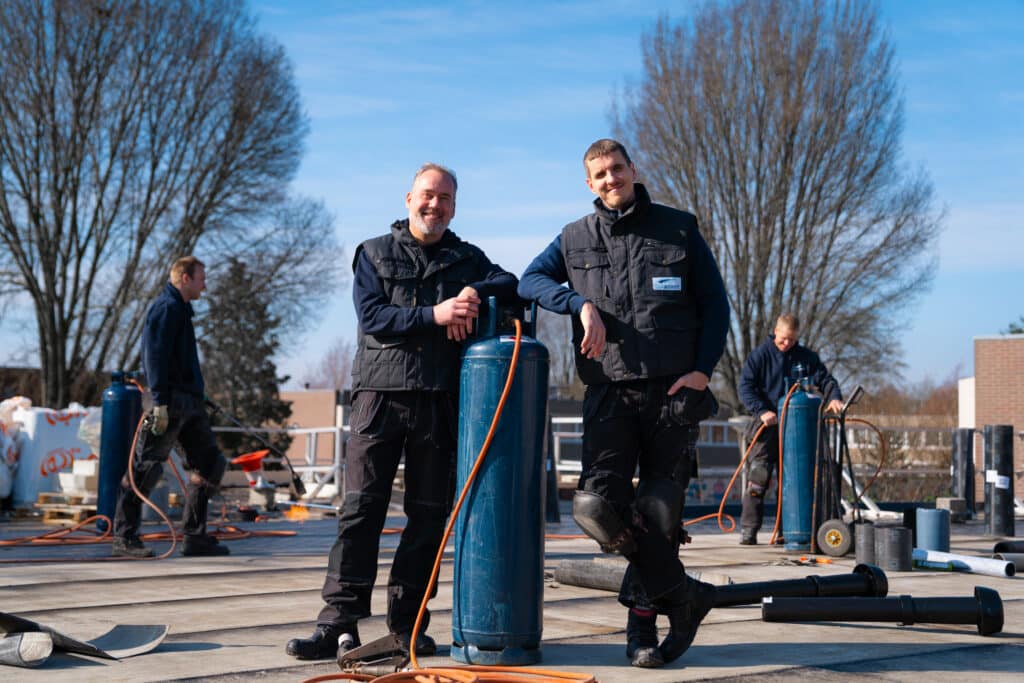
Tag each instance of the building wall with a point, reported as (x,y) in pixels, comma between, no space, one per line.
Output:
(999,399)
(313,408)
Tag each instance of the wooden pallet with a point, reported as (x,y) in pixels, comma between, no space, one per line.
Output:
(60,498)
(67,514)
(63,507)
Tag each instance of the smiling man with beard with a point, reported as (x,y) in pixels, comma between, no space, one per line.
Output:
(417,290)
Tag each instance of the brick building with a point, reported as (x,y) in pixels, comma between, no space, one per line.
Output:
(996,398)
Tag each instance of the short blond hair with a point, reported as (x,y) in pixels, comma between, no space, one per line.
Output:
(186,265)
(789,321)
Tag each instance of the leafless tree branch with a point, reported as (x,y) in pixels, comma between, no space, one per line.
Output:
(778,123)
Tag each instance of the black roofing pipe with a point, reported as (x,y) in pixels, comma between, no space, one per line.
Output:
(1001,519)
(963,467)
(1009,547)
(866,580)
(985,609)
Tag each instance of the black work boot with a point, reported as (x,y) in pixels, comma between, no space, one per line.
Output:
(425,645)
(684,619)
(203,546)
(325,643)
(129,546)
(748,537)
(642,641)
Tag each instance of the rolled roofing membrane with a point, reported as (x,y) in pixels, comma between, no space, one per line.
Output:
(968,563)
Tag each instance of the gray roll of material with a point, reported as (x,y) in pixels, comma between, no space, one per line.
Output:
(968,563)
(864,542)
(1016,559)
(894,548)
(933,529)
(1009,547)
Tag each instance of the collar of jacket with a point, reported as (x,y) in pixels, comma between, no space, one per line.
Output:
(446,249)
(172,291)
(619,224)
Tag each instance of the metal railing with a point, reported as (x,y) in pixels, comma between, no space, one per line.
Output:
(566,430)
(319,475)
(569,430)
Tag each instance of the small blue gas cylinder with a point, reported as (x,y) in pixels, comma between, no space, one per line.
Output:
(799,450)
(122,408)
(499,534)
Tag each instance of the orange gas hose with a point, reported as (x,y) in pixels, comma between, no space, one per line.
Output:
(64,536)
(469,673)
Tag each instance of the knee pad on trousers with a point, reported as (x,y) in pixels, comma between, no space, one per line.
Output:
(660,502)
(758,474)
(210,477)
(599,520)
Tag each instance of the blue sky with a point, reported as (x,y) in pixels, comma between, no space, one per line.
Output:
(510,94)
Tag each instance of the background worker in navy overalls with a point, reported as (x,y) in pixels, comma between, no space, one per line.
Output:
(171,363)
(767,375)
(417,290)
(650,319)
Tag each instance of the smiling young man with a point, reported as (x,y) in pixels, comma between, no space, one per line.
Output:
(416,290)
(767,374)
(650,318)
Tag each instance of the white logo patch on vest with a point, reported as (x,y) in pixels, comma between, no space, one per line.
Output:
(667,284)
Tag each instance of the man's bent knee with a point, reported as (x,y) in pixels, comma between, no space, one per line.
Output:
(212,474)
(660,502)
(599,520)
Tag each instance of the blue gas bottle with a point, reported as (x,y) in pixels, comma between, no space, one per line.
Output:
(799,451)
(122,408)
(499,535)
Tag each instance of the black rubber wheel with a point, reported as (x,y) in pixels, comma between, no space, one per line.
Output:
(834,538)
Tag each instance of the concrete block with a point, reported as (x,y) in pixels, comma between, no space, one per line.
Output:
(957,508)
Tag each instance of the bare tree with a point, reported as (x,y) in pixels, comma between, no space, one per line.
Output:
(334,370)
(294,250)
(130,132)
(778,123)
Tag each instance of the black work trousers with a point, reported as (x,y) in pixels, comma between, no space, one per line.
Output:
(761,465)
(188,426)
(634,424)
(385,426)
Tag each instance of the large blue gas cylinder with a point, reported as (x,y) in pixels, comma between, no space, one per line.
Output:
(122,407)
(799,450)
(499,534)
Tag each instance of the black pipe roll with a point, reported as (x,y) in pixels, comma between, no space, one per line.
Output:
(1009,547)
(865,580)
(963,467)
(986,461)
(864,542)
(1001,521)
(893,548)
(985,610)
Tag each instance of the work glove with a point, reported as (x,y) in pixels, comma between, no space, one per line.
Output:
(159,419)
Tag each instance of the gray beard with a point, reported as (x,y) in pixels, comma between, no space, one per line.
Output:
(422,227)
